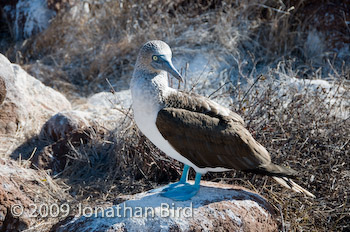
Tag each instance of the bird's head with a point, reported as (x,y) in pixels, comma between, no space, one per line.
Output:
(155,56)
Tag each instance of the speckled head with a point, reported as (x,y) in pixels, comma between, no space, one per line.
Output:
(155,56)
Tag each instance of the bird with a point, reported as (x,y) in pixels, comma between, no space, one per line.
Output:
(193,129)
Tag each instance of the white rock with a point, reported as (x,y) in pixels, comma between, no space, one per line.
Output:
(27,106)
(111,100)
(216,207)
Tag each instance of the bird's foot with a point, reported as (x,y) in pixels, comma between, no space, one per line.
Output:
(168,187)
(180,191)
(173,185)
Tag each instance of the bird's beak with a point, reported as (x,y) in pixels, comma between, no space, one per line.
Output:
(168,66)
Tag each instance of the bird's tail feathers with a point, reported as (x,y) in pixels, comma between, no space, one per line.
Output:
(288,183)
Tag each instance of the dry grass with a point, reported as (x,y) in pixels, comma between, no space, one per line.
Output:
(119,163)
(300,128)
(303,130)
(307,134)
(82,49)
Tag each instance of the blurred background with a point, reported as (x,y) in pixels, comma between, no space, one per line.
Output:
(74,46)
(283,65)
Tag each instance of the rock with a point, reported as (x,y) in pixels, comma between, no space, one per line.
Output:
(329,18)
(25,18)
(111,100)
(58,5)
(54,156)
(216,207)
(106,110)
(100,115)
(20,190)
(2,90)
(10,195)
(27,106)
(62,124)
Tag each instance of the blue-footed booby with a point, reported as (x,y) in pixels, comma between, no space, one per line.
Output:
(193,129)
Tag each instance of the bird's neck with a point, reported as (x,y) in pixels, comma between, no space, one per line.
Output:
(149,80)
(148,88)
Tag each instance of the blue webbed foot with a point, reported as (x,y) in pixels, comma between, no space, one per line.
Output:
(173,185)
(181,192)
(168,187)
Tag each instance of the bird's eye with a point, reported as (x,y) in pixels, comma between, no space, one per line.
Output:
(155,58)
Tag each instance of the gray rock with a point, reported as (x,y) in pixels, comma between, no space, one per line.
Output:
(26,18)
(3,90)
(27,106)
(107,110)
(62,124)
(21,189)
(216,207)
(111,100)
(100,115)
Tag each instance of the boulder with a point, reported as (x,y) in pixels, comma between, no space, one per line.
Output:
(328,18)
(25,18)
(111,100)
(101,114)
(27,106)
(108,110)
(21,189)
(2,90)
(58,5)
(62,124)
(54,155)
(216,207)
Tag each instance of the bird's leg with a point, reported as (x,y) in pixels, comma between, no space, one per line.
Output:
(182,180)
(183,192)
(197,180)
(184,175)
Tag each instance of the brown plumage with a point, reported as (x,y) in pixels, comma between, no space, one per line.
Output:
(209,135)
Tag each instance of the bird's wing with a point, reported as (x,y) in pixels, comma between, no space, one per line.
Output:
(208,134)
(197,103)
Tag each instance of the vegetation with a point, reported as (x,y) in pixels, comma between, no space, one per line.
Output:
(264,44)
